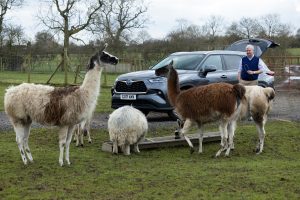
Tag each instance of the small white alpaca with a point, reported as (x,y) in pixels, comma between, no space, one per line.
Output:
(63,107)
(127,126)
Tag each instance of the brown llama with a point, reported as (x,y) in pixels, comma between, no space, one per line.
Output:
(218,102)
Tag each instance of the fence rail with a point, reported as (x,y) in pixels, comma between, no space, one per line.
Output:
(287,68)
(287,71)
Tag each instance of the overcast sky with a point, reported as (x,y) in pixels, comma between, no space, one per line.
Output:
(164,13)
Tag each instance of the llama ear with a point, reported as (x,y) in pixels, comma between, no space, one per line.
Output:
(91,63)
(104,47)
(170,65)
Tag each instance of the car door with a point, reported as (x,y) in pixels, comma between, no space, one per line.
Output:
(232,63)
(219,75)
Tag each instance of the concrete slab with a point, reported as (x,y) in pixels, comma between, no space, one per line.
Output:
(168,141)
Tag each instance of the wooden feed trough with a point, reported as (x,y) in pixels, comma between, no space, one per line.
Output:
(169,141)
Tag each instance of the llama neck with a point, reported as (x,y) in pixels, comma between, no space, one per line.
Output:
(91,82)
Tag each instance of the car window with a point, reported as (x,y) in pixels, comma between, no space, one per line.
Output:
(183,61)
(232,61)
(213,60)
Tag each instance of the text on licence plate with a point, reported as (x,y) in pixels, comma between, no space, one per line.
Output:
(128,96)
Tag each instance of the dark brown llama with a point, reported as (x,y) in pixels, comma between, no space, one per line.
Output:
(218,102)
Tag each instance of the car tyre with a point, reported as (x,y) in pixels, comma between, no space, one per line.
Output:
(145,112)
(173,115)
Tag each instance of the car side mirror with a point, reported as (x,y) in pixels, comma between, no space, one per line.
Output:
(207,68)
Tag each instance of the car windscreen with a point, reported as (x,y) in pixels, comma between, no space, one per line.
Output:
(183,61)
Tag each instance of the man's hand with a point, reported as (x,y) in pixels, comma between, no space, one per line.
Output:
(250,72)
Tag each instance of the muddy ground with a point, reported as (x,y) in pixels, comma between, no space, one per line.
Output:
(285,107)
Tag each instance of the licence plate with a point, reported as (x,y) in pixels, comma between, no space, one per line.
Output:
(128,96)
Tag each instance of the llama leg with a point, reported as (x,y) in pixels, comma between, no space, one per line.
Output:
(126,149)
(261,133)
(89,136)
(26,146)
(77,133)
(115,147)
(231,129)
(68,141)
(81,138)
(74,138)
(224,136)
(136,148)
(87,130)
(62,142)
(200,138)
(20,141)
(230,132)
(136,145)
(187,125)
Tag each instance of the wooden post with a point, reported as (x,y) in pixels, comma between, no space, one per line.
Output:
(76,73)
(29,68)
(105,76)
(1,65)
(60,64)
(65,60)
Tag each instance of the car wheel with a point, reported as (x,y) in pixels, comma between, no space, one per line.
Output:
(173,115)
(146,112)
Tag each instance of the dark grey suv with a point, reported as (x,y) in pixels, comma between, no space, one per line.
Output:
(147,90)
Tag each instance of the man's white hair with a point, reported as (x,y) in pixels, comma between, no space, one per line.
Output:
(250,46)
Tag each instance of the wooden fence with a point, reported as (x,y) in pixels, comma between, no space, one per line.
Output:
(287,68)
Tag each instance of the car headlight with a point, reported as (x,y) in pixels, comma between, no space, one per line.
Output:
(157,80)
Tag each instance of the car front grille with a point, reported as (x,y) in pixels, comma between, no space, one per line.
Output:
(132,86)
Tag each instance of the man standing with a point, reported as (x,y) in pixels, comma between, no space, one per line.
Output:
(250,67)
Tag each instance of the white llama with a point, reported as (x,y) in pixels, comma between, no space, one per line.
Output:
(63,107)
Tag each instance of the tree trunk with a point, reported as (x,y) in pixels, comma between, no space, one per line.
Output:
(66,48)
(1,30)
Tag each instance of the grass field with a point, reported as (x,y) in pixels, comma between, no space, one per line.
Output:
(167,173)
(294,51)
(14,78)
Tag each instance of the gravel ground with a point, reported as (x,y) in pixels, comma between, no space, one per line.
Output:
(286,107)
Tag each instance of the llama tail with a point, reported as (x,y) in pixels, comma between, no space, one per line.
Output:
(173,85)
(239,91)
(270,93)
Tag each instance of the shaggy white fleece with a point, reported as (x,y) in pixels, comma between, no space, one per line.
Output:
(127,126)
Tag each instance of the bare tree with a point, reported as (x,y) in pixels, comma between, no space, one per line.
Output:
(248,27)
(45,43)
(119,18)
(213,26)
(272,27)
(184,30)
(66,17)
(245,28)
(142,36)
(5,6)
(14,35)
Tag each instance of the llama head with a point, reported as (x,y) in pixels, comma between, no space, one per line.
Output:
(163,71)
(171,69)
(102,57)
